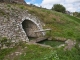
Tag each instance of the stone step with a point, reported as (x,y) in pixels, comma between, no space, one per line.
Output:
(39,39)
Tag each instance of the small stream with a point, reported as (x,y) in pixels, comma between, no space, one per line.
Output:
(52,43)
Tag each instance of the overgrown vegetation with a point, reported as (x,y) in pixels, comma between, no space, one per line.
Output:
(59,8)
(61,25)
(37,52)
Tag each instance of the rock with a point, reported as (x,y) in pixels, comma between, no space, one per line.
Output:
(62,45)
(1,0)
(18,53)
(59,38)
(4,46)
(69,44)
(50,38)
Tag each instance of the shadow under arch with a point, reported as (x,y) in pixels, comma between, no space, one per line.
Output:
(30,27)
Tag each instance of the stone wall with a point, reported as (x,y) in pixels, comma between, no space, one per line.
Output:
(14,1)
(1,0)
(11,19)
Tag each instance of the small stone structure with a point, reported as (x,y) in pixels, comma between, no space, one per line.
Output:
(30,26)
(21,29)
(17,24)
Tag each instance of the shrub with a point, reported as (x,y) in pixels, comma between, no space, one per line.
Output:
(59,8)
(22,7)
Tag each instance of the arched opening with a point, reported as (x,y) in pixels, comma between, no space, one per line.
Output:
(29,28)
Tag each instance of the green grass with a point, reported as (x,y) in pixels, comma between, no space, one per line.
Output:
(73,54)
(4,52)
(62,25)
(74,18)
(36,52)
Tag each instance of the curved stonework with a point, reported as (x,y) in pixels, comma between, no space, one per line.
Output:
(11,23)
(30,27)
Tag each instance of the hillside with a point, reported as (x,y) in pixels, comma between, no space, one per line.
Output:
(61,25)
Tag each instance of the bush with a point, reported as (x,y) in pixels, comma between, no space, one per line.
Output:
(59,8)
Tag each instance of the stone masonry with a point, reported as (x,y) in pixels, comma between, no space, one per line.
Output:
(13,1)
(11,23)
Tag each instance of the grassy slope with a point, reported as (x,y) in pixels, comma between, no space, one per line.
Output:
(28,52)
(36,52)
(62,25)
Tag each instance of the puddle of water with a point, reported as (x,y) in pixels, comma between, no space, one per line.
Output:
(52,43)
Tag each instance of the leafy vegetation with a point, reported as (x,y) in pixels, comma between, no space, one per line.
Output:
(59,8)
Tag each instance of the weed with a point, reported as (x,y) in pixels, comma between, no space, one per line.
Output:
(22,7)
(4,52)
(54,19)
(8,5)
(5,41)
(2,12)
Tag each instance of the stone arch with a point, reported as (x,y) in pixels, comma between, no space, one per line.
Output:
(30,26)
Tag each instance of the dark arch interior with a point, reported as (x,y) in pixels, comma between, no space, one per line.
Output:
(29,28)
